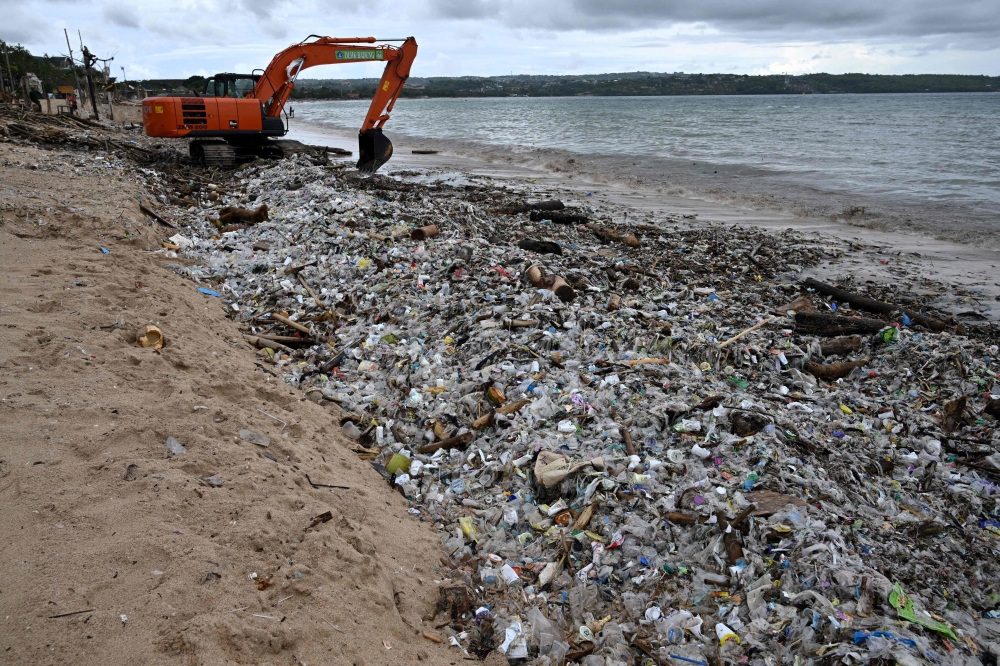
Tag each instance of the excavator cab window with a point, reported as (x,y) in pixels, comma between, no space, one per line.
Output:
(212,88)
(241,87)
(229,85)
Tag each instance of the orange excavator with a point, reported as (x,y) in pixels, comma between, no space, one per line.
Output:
(237,115)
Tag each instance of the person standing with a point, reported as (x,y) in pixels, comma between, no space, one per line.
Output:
(36,99)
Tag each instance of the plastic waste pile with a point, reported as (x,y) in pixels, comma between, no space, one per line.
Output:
(631,448)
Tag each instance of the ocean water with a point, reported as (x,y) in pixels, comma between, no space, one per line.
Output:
(929,163)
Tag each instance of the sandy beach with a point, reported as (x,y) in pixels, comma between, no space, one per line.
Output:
(120,551)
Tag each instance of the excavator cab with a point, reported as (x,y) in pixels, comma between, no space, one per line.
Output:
(231,85)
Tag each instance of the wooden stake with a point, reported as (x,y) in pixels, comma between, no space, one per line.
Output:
(293,324)
(749,330)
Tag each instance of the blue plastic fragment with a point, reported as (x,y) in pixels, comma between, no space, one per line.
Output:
(209,292)
(105,250)
(688,660)
(906,320)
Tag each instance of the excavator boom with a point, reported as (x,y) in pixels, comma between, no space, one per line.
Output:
(245,118)
(276,85)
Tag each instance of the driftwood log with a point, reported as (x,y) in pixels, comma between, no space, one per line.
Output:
(558,216)
(841,346)
(552,283)
(860,302)
(609,235)
(540,246)
(831,371)
(831,325)
(423,233)
(551,204)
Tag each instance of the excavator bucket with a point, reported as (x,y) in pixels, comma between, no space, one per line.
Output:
(374,150)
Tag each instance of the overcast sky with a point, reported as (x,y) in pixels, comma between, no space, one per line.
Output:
(177,38)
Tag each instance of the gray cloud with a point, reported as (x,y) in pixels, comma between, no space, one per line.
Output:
(19,26)
(791,19)
(267,22)
(124,15)
(470,9)
(259,8)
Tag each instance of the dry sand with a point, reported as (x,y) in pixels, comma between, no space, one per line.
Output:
(147,562)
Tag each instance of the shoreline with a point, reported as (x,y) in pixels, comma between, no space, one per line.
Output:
(759,154)
(967,266)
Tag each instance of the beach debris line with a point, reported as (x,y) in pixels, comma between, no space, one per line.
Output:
(688,457)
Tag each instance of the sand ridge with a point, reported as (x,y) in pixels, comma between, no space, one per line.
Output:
(99,518)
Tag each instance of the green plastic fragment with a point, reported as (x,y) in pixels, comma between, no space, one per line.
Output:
(904,608)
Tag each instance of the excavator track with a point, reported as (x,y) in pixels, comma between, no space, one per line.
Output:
(280,148)
(213,154)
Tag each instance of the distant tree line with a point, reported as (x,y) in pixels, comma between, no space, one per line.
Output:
(53,71)
(651,83)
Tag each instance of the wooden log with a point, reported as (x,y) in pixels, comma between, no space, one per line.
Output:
(424,233)
(679,518)
(551,204)
(457,442)
(831,325)
(860,302)
(832,371)
(558,217)
(539,246)
(551,282)
(292,324)
(841,346)
(283,338)
(261,343)
(608,235)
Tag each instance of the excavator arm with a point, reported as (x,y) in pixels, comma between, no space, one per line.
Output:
(278,81)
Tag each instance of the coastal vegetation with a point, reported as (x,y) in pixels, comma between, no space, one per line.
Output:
(651,83)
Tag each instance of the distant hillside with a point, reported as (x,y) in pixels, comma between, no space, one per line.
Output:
(650,83)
